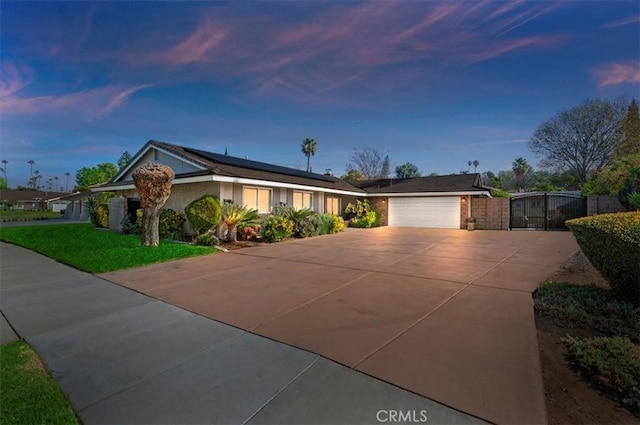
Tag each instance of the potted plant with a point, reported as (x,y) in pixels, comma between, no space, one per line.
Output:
(471,223)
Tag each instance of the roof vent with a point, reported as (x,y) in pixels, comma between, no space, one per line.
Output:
(328,172)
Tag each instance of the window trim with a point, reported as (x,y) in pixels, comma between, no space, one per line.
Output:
(258,189)
(303,192)
(326,199)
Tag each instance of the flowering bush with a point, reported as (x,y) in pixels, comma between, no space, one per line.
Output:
(276,228)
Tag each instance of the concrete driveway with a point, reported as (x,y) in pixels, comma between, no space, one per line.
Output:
(446,314)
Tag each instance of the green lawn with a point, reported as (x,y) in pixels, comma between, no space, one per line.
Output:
(28,395)
(94,250)
(28,215)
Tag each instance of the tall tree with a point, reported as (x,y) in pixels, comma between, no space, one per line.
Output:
(369,162)
(101,173)
(407,170)
(475,165)
(581,140)
(31,181)
(66,187)
(4,170)
(55,186)
(3,183)
(353,176)
(386,167)
(520,168)
(309,148)
(125,158)
(630,144)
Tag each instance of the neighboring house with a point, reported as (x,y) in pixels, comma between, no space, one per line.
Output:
(30,200)
(421,202)
(75,208)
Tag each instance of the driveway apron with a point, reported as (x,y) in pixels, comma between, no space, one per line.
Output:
(446,314)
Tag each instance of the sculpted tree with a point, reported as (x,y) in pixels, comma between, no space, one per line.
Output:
(153,182)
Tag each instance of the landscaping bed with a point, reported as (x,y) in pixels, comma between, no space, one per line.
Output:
(94,250)
(582,307)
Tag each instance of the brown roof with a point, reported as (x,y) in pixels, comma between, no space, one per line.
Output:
(226,165)
(451,183)
(28,195)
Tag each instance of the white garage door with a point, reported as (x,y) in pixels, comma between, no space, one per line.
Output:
(437,212)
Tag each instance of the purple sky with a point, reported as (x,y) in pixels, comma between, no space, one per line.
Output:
(433,83)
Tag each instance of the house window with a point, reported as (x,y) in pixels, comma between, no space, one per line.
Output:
(333,205)
(302,200)
(257,198)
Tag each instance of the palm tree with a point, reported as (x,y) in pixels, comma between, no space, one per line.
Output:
(66,188)
(520,168)
(31,162)
(36,177)
(55,186)
(469,165)
(4,171)
(309,148)
(475,165)
(234,215)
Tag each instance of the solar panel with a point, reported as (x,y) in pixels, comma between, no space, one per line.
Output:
(255,165)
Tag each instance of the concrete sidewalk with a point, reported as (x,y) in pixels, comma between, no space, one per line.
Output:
(123,357)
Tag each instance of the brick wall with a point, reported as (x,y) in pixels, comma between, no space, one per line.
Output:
(490,213)
(464,212)
(381,206)
(604,204)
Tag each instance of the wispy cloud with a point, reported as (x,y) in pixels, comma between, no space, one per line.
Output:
(91,103)
(623,22)
(341,46)
(14,78)
(618,73)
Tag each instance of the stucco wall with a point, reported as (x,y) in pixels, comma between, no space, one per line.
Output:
(117,206)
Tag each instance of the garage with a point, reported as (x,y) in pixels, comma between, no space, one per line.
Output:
(441,212)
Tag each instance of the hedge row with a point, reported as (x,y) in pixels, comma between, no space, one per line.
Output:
(612,243)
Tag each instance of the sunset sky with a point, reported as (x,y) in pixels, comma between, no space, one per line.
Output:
(433,83)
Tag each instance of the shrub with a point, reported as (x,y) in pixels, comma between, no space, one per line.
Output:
(611,180)
(612,243)
(276,228)
(204,213)
(310,226)
(326,223)
(630,186)
(587,307)
(338,224)
(359,210)
(170,224)
(370,219)
(234,215)
(500,193)
(91,203)
(298,217)
(249,232)
(207,239)
(102,214)
(130,227)
(611,364)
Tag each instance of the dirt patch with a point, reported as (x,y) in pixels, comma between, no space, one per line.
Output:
(578,270)
(569,399)
(232,246)
(32,362)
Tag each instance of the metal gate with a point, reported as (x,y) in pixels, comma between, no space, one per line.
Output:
(545,211)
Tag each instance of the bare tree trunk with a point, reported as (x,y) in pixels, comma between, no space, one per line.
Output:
(150,228)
